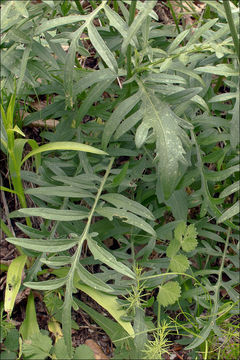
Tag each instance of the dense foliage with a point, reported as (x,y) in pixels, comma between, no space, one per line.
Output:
(145,153)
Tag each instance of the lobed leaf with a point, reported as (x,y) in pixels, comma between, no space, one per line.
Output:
(169,293)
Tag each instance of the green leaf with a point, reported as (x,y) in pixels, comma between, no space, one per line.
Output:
(175,43)
(107,301)
(201,30)
(60,350)
(117,116)
(179,263)
(29,325)
(102,48)
(128,124)
(110,303)
(220,175)
(182,96)
(117,180)
(140,328)
(92,97)
(83,352)
(234,128)
(64,145)
(37,347)
(53,245)
(169,293)
(173,248)
(116,21)
(97,76)
(107,258)
(46,285)
(141,135)
(51,214)
(123,202)
(180,230)
(126,216)
(50,24)
(14,279)
(137,23)
(229,213)
(3,188)
(11,341)
(89,279)
(220,69)
(189,241)
(111,328)
(169,136)
(201,337)
(230,189)
(62,191)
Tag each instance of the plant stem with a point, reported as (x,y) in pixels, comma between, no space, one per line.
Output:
(132,11)
(231,25)
(79,6)
(173,15)
(5,229)
(66,317)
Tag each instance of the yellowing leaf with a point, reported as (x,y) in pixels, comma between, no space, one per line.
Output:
(54,327)
(14,279)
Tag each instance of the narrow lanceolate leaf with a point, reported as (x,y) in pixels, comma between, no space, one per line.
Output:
(46,285)
(137,23)
(158,116)
(230,189)
(127,217)
(220,69)
(51,214)
(101,47)
(169,293)
(234,128)
(107,258)
(53,245)
(117,116)
(64,145)
(229,213)
(116,21)
(14,279)
(48,25)
(62,191)
(89,279)
(121,201)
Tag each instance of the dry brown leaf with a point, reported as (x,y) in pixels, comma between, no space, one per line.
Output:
(98,353)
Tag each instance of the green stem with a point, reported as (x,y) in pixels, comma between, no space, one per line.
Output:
(79,6)
(66,317)
(173,15)
(132,11)
(231,25)
(115,5)
(218,284)
(5,229)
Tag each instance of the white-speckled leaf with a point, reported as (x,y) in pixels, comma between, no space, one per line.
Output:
(169,148)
